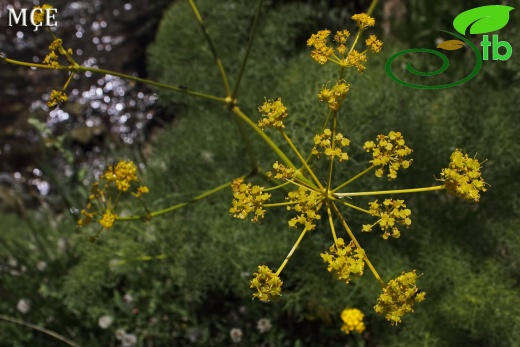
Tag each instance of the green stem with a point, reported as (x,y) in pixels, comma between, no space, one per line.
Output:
(372,7)
(331,222)
(211,47)
(352,179)
(291,252)
(288,203)
(71,75)
(118,74)
(304,162)
(237,112)
(249,147)
(149,82)
(397,191)
(41,329)
(248,49)
(277,186)
(354,207)
(175,207)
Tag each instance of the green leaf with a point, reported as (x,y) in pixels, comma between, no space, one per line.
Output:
(483,19)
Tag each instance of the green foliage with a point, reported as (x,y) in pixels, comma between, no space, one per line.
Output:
(194,287)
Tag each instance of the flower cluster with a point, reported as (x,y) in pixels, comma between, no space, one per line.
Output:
(51,59)
(463,178)
(374,44)
(266,283)
(363,20)
(282,172)
(273,112)
(318,41)
(56,97)
(121,174)
(395,213)
(345,260)
(352,320)
(398,297)
(103,201)
(389,150)
(308,203)
(355,59)
(248,199)
(39,16)
(335,95)
(322,52)
(329,147)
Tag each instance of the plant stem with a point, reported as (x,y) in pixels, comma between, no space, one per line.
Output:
(248,49)
(287,203)
(354,207)
(291,252)
(331,222)
(249,147)
(397,191)
(39,328)
(304,162)
(175,207)
(149,82)
(352,179)
(237,112)
(79,68)
(220,67)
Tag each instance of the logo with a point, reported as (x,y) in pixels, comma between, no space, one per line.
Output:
(479,21)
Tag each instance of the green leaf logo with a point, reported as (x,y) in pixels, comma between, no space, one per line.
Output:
(483,19)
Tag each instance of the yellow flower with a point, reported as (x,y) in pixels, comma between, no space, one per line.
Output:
(463,178)
(282,172)
(321,52)
(56,97)
(391,213)
(273,112)
(355,59)
(341,36)
(308,203)
(40,16)
(121,174)
(374,44)
(266,283)
(398,297)
(248,199)
(108,219)
(389,151)
(352,320)
(140,191)
(329,147)
(363,20)
(334,96)
(345,260)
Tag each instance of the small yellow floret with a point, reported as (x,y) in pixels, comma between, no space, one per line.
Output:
(352,320)
(274,113)
(374,44)
(266,283)
(56,97)
(108,219)
(39,16)
(363,20)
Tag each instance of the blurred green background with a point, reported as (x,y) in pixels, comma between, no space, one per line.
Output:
(50,275)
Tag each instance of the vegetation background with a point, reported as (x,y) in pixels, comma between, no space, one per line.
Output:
(469,253)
